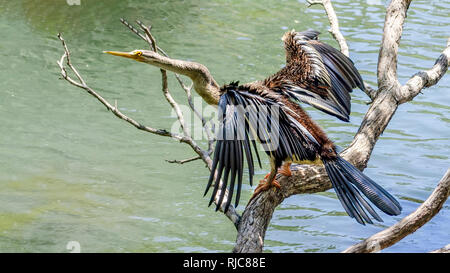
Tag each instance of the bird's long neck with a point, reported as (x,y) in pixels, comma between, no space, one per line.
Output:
(204,83)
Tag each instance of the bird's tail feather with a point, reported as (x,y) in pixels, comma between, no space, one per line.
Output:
(349,183)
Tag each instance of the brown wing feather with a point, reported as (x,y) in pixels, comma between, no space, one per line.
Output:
(317,74)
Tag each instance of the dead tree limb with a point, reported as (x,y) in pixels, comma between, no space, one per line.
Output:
(186,138)
(445,249)
(114,109)
(409,224)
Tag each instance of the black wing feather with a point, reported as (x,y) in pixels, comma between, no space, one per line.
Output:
(350,183)
(292,139)
(317,74)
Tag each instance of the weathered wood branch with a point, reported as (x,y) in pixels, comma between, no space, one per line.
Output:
(148,37)
(338,36)
(409,224)
(256,217)
(334,24)
(186,138)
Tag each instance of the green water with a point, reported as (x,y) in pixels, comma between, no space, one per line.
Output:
(71,171)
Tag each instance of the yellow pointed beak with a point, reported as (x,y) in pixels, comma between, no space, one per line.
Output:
(123,54)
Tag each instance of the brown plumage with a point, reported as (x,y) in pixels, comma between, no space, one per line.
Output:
(268,111)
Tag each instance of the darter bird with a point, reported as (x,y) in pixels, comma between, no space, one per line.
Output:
(269,112)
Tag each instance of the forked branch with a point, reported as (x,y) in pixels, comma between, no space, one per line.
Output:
(334,23)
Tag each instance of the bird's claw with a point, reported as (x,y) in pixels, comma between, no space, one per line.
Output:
(264,185)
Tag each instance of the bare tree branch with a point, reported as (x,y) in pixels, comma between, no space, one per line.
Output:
(392,32)
(82,84)
(334,24)
(339,37)
(231,214)
(425,79)
(258,213)
(445,249)
(410,223)
(185,160)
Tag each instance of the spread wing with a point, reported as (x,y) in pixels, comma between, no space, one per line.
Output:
(316,74)
(244,118)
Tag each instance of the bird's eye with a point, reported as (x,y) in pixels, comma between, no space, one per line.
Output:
(139,53)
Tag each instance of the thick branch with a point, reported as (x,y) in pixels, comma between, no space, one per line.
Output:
(392,32)
(206,128)
(148,37)
(410,223)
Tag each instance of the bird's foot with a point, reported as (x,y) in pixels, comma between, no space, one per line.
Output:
(285,170)
(264,185)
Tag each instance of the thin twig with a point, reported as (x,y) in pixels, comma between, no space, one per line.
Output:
(334,23)
(184,160)
(339,37)
(424,79)
(208,131)
(82,84)
(165,86)
(231,213)
(135,31)
(149,37)
(410,223)
(309,179)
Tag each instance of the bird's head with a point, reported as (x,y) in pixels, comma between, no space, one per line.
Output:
(140,55)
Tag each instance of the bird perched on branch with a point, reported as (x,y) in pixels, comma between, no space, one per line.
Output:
(269,112)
